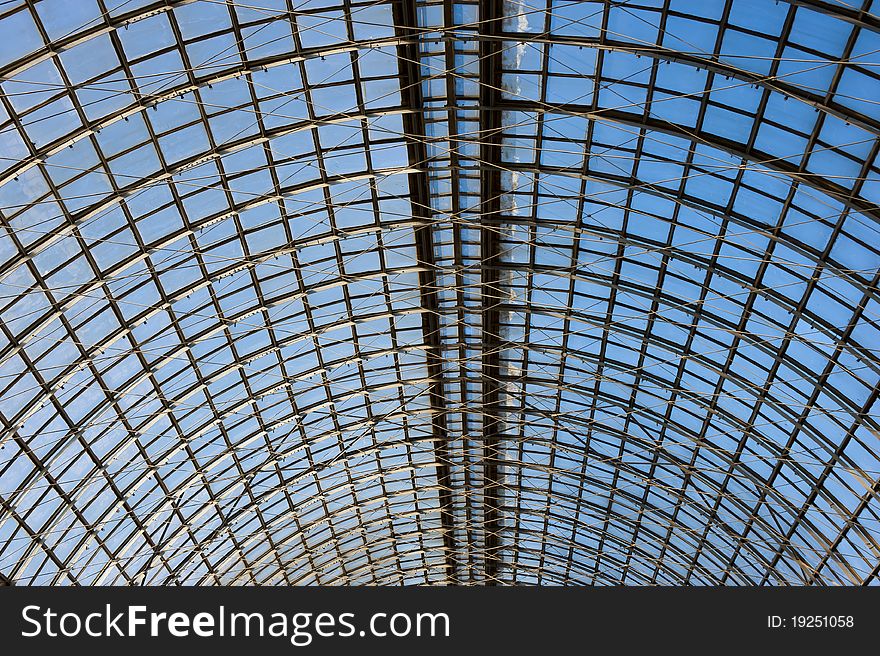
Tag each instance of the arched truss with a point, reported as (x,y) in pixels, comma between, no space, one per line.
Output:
(439,292)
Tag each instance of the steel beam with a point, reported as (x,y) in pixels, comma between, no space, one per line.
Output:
(414,127)
(490,207)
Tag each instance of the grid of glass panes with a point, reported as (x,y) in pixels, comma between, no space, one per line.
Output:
(212,357)
(692,255)
(213,365)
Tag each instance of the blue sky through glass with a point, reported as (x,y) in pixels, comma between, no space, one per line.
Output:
(246,311)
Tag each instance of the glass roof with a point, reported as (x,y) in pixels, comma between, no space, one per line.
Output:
(439,292)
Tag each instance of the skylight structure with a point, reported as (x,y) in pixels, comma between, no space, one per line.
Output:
(439,292)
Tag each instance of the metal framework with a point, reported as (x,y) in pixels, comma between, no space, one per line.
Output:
(439,292)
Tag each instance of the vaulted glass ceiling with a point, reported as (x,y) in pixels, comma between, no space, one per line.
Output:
(444,292)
